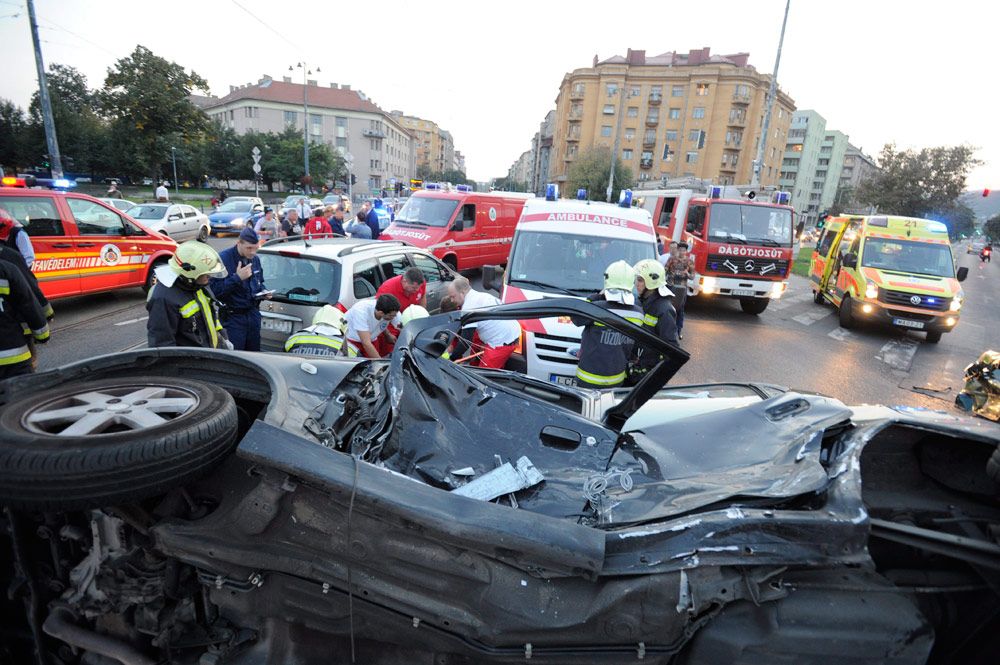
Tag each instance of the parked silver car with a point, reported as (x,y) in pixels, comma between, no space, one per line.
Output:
(180,222)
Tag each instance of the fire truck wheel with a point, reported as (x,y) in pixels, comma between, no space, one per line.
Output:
(846,313)
(101,443)
(934,336)
(754,305)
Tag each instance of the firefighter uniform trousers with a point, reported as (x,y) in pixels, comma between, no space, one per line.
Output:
(604,352)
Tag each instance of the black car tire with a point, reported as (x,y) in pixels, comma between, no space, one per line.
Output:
(846,313)
(754,305)
(42,470)
(934,336)
(203,234)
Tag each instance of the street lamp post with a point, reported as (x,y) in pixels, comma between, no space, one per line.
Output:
(306,72)
(173,158)
(618,129)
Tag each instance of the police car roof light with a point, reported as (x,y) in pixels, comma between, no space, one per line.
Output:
(716,193)
(62,183)
(581,194)
(781,198)
(551,191)
(625,198)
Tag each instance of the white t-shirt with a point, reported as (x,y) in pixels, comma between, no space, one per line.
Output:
(492,333)
(361,317)
(162,192)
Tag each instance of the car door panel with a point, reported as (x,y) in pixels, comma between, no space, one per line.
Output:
(53,239)
(107,256)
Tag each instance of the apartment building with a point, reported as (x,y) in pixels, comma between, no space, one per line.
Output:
(434,147)
(674,115)
(858,167)
(378,148)
(801,161)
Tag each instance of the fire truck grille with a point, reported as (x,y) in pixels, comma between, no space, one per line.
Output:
(933,303)
(745,266)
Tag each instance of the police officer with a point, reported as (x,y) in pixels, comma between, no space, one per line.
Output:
(182,309)
(659,316)
(20,315)
(604,352)
(325,337)
(241,291)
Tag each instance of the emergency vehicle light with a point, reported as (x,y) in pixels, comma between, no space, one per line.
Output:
(432,186)
(463,188)
(716,193)
(551,191)
(10,181)
(581,194)
(879,221)
(625,198)
(937,227)
(62,183)
(782,198)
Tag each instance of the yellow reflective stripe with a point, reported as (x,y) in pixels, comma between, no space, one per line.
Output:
(4,286)
(206,309)
(650,320)
(14,356)
(634,319)
(598,379)
(313,339)
(41,333)
(189,309)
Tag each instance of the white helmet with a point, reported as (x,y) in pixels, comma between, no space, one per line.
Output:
(413,312)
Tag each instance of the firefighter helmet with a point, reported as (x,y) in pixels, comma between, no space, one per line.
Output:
(413,312)
(619,275)
(194,259)
(654,275)
(328,315)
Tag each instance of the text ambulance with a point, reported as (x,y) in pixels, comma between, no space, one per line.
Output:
(562,248)
(464,229)
(897,270)
(742,247)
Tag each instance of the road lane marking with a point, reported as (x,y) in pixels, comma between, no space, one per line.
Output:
(840,334)
(898,353)
(125,323)
(809,318)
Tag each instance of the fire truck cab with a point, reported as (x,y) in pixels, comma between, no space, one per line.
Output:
(742,246)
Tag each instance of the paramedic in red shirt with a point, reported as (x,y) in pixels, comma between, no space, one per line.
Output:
(318,226)
(410,288)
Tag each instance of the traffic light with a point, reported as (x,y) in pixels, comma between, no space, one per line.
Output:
(354,180)
(821,221)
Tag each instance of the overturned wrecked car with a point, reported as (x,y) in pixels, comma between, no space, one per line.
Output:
(205,507)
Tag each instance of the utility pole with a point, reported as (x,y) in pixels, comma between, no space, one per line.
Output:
(173,158)
(306,72)
(772,93)
(43,96)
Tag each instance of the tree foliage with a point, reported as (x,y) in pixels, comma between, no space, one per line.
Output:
(992,228)
(14,148)
(590,171)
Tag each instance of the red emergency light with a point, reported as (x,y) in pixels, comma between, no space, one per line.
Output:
(10,181)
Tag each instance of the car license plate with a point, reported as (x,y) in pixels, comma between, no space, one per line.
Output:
(906,323)
(277,325)
(562,380)
(743,292)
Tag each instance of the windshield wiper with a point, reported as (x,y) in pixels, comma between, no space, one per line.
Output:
(409,222)
(728,239)
(546,285)
(767,242)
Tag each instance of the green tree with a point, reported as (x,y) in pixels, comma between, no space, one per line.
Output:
(224,157)
(917,182)
(148,102)
(960,219)
(590,171)
(992,228)
(423,171)
(14,147)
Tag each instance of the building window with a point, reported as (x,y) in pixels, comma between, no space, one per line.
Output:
(291,118)
(796,148)
(250,112)
(825,162)
(341,141)
(578,88)
(612,89)
(671,135)
(633,112)
(668,154)
(677,91)
(606,130)
(609,109)
(634,91)
(675,114)
(316,120)
(647,156)
(701,89)
(656,92)
(626,154)
(650,136)
(691,158)
(698,112)
(629,133)
(694,135)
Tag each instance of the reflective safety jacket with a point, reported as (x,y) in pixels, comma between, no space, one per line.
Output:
(15,258)
(659,318)
(319,340)
(18,308)
(178,317)
(604,352)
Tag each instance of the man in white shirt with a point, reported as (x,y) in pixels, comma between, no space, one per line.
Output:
(498,337)
(304,209)
(162,193)
(369,318)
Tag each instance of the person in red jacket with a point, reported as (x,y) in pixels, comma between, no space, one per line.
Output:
(318,226)
(410,288)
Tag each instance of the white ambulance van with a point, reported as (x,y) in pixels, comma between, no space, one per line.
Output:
(561,248)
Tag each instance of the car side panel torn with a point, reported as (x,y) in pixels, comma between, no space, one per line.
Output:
(505,479)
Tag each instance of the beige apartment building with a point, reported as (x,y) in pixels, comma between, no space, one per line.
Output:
(434,148)
(675,115)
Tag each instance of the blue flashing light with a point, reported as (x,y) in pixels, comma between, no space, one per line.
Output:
(433,186)
(463,188)
(551,191)
(782,198)
(625,198)
(581,194)
(931,300)
(62,183)
(716,193)
(937,227)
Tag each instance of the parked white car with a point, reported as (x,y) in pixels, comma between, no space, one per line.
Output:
(124,205)
(180,222)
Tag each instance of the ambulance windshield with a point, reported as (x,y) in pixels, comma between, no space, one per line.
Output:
(566,262)
(909,256)
(750,223)
(427,211)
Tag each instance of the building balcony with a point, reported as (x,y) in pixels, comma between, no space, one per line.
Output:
(741,98)
(373,133)
(736,122)
(727,168)
(575,117)
(649,142)
(645,163)
(655,100)
(576,94)
(574,137)
(652,121)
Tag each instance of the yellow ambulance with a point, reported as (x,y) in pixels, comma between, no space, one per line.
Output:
(895,270)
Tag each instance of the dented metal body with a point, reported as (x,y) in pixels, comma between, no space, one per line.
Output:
(666,529)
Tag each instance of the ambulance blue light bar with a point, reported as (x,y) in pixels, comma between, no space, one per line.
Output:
(462,188)
(63,183)
(433,186)
(551,191)
(625,198)
(581,194)
(716,193)
(782,198)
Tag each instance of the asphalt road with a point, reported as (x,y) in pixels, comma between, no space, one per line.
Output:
(795,342)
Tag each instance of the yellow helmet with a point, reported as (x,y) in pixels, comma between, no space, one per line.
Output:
(329,315)
(194,259)
(619,275)
(413,312)
(654,275)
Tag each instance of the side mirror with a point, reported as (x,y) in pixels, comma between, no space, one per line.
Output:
(459,225)
(850,261)
(492,278)
(963,272)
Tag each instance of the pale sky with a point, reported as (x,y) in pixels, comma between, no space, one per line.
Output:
(913,72)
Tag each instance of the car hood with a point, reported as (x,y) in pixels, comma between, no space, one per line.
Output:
(942,287)
(227,216)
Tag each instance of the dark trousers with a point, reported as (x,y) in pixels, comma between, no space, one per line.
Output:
(678,301)
(244,330)
(17,369)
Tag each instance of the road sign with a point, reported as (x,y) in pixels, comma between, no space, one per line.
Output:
(256,168)
(256,153)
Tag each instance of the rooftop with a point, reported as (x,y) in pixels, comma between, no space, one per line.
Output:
(692,58)
(284,92)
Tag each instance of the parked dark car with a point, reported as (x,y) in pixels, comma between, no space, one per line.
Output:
(199,506)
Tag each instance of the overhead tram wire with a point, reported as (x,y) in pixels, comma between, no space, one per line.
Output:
(269,28)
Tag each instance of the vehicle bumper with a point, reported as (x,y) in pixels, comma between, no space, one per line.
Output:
(734,287)
(906,318)
(225,227)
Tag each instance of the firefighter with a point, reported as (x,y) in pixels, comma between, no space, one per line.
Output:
(18,309)
(604,352)
(182,309)
(325,337)
(659,316)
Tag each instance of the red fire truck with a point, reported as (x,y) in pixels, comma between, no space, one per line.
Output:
(742,246)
